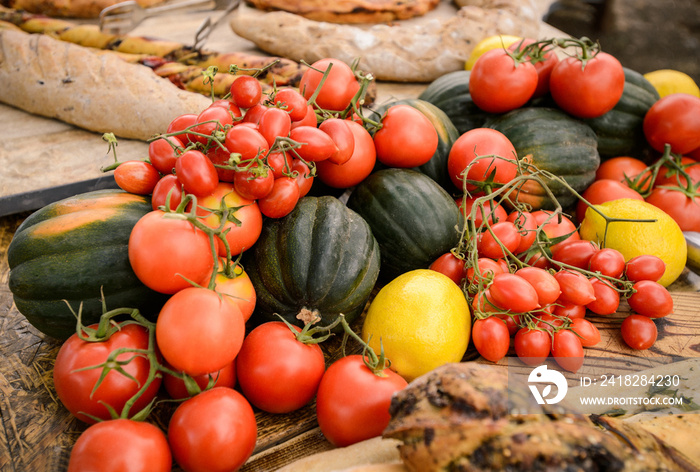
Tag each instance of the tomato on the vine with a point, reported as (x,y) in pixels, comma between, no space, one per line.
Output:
(682,206)
(277,372)
(575,287)
(292,102)
(316,144)
(337,90)
(604,190)
(497,240)
(352,402)
(484,268)
(567,350)
(166,252)
(196,172)
(544,283)
(499,82)
(622,168)
(342,136)
(527,227)
(274,123)
(74,379)
(491,338)
(674,120)
(282,198)
(198,331)
(644,267)
(168,191)
(163,153)
(576,253)
(639,332)
(246,91)
(121,445)
(214,431)
(651,299)
(543,65)
(607,299)
(177,390)
(407,138)
(254,183)
(532,346)
(355,169)
(514,293)
(588,334)
(138,177)
(587,88)
(451,266)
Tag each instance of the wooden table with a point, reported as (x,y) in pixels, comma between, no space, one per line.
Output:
(37,432)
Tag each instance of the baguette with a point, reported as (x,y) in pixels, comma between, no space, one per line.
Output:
(69,8)
(99,93)
(417,50)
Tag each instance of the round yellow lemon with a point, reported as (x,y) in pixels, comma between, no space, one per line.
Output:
(423,321)
(662,238)
(488,43)
(668,81)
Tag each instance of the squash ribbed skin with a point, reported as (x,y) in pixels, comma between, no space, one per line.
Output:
(436,167)
(69,250)
(322,256)
(558,143)
(619,131)
(450,93)
(413,218)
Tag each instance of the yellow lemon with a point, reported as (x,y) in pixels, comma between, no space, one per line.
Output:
(662,238)
(488,43)
(422,320)
(668,81)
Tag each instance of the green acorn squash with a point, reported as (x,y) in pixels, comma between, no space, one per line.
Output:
(450,93)
(619,131)
(69,250)
(320,257)
(413,218)
(556,142)
(436,167)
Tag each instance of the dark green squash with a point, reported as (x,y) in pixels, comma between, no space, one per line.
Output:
(450,93)
(69,250)
(436,167)
(414,219)
(322,257)
(556,142)
(620,131)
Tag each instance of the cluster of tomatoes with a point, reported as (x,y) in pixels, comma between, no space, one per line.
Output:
(213,179)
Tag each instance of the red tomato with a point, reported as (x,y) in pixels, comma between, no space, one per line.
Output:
(274,123)
(451,266)
(177,390)
(337,90)
(310,119)
(246,91)
(138,177)
(622,168)
(567,350)
(352,402)
(639,332)
(355,169)
(182,123)
(575,287)
(196,172)
(645,267)
(167,193)
(672,176)
(587,332)
(549,321)
(247,142)
(501,237)
(277,372)
(587,90)
(121,445)
(167,252)
(514,293)
(651,299)
(543,65)
(74,383)
(607,261)
(556,226)
(484,268)
(253,114)
(544,283)
(163,153)
(254,183)
(532,346)
(241,233)
(407,138)
(214,431)
(303,176)
(282,199)
(498,83)
(214,118)
(527,227)
(575,253)
(477,144)
(342,136)
(607,299)
(279,162)
(604,190)
(198,332)
(292,102)
(674,120)
(236,285)
(316,145)
(483,303)
(493,212)
(569,310)
(684,209)
(491,338)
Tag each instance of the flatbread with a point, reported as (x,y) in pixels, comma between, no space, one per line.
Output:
(69,8)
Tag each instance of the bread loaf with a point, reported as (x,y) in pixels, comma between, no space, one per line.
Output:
(99,93)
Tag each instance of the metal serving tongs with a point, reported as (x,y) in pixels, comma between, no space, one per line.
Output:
(207,26)
(123,17)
